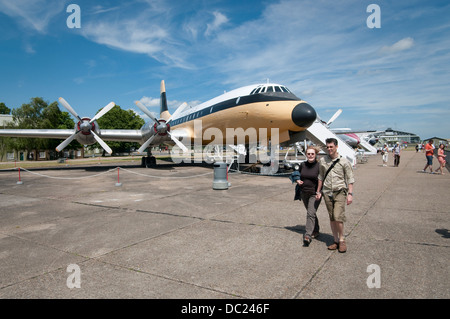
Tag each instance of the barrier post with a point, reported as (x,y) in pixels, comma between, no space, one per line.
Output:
(19,181)
(118,178)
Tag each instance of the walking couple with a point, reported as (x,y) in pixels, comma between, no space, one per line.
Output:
(330,178)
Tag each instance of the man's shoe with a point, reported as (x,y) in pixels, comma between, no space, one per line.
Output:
(315,234)
(306,241)
(342,247)
(333,246)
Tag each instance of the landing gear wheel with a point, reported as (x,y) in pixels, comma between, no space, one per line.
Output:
(151,161)
(148,161)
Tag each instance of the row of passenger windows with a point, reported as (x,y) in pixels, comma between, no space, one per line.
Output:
(193,116)
(265,89)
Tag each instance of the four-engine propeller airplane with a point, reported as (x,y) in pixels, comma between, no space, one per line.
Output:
(269,106)
(349,136)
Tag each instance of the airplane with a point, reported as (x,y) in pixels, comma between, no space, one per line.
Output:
(354,138)
(349,136)
(269,106)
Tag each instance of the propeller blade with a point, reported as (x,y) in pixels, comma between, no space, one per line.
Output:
(146,144)
(103,111)
(146,111)
(163,98)
(101,142)
(334,116)
(66,142)
(180,145)
(69,108)
(178,110)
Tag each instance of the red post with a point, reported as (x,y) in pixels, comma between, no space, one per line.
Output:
(118,179)
(19,182)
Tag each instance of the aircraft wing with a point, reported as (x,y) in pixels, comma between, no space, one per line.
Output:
(349,130)
(108,135)
(122,135)
(37,133)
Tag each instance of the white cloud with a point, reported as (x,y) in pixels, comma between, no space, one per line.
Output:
(100,9)
(219,20)
(149,101)
(150,32)
(127,35)
(402,45)
(33,14)
(29,49)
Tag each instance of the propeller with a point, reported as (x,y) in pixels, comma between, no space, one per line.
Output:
(146,111)
(161,128)
(335,116)
(85,126)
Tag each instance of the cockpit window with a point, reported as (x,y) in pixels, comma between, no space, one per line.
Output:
(285,89)
(263,89)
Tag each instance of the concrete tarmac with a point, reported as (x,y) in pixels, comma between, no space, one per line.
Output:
(165,233)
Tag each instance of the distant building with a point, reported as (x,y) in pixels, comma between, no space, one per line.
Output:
(391,136)
(437,141)
(5,119)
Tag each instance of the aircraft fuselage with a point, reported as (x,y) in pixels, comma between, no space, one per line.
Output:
(246,108)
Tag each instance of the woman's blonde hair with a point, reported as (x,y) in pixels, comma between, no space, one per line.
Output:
(315,148)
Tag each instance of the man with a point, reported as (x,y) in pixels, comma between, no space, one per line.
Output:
(336,187)
(396,150)
(429,151)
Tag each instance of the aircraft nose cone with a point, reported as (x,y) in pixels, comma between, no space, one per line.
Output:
(303,115)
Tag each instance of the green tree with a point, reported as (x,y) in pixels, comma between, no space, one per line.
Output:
(38,114)
(4,109)
(117,118)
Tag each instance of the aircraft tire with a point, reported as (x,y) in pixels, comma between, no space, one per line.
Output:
(150,161)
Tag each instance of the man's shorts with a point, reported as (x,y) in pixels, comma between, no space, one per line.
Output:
(336,205)
(429,159)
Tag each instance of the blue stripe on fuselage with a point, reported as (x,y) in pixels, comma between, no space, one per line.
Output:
(248,99)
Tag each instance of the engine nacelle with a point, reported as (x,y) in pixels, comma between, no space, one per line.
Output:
(84,136)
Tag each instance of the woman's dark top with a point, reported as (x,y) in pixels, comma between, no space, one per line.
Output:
(308,174)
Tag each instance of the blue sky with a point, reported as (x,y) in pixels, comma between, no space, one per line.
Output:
(395,76)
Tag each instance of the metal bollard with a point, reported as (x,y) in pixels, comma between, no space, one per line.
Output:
(220,176)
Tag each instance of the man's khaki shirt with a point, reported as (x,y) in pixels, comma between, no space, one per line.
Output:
(339,177)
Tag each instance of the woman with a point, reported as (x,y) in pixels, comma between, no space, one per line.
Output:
(309,170)
(384,154)
(441,158)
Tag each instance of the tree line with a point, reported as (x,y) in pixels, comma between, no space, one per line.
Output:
(40,114)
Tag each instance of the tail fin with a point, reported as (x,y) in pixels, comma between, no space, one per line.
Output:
(164,111)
